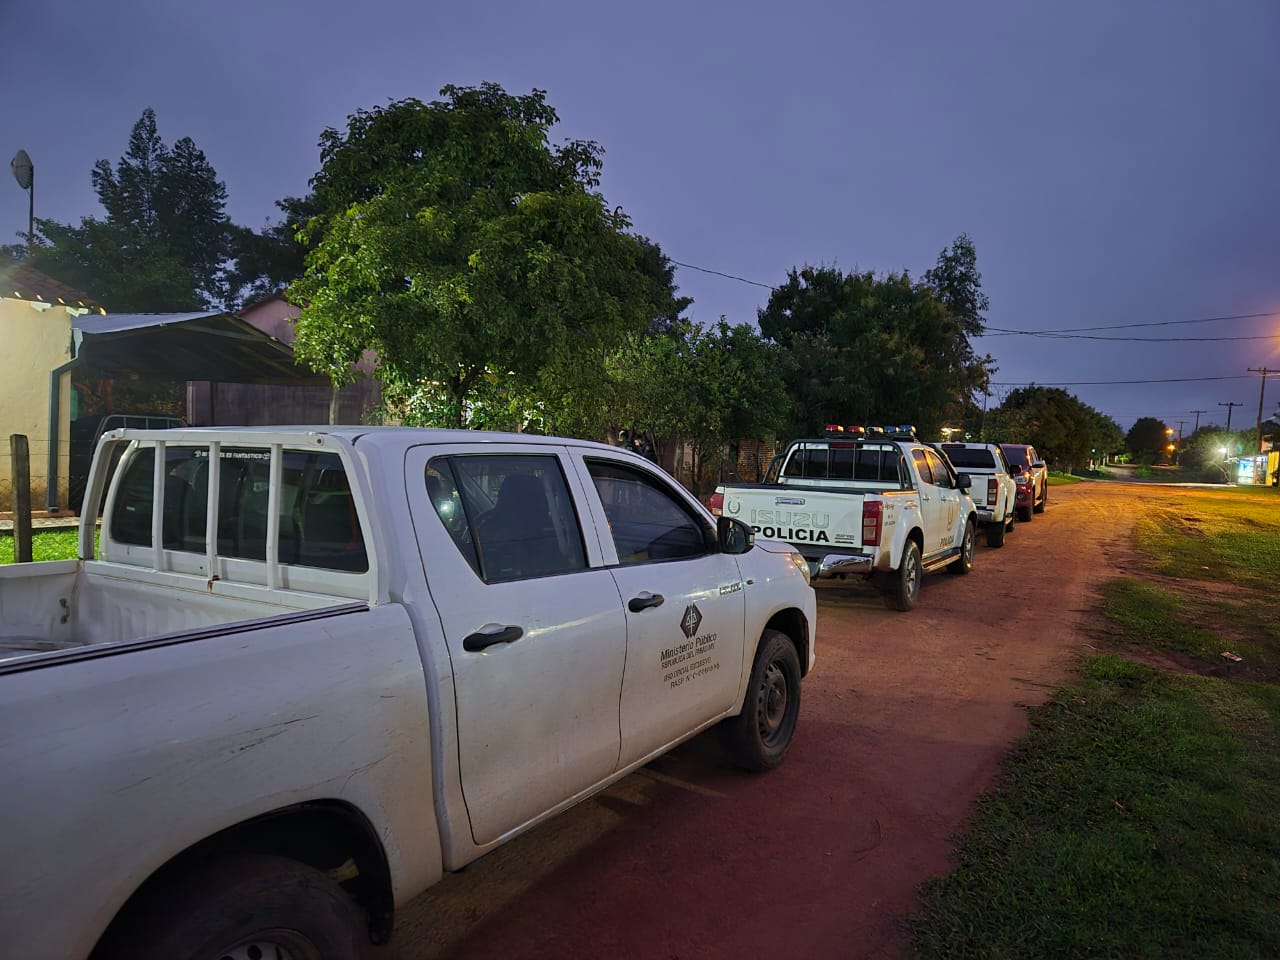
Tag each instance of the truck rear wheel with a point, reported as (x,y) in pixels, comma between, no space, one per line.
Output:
(243,908)
(903,590)
(964,563)
(1044,501)
(757,739)
(995,534)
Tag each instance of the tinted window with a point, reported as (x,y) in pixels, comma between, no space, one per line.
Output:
(647,521)
(1016,455)
(922,466)
(963,457)
(318,522)
(808,462)
(518,519)
(941,475)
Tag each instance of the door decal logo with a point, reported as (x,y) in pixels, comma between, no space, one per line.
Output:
(692,620)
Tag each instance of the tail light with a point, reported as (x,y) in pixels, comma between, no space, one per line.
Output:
(870,523)
(993,491)
(716,504)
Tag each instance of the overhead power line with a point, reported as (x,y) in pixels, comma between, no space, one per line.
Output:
(1107,383)
(727,276)
(1063,332)
(1129,326)
(1000,332)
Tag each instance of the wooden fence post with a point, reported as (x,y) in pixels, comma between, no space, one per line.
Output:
(21,459)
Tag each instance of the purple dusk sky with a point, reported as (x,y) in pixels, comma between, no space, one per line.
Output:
(1114,162)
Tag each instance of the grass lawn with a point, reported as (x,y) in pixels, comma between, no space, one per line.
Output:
(1138,818)
(45,545)
(1232,536)
(1061,479)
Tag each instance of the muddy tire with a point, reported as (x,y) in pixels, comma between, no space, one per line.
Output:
(241,907)
(964,563)
(757,739)
(903,589)
(995,534)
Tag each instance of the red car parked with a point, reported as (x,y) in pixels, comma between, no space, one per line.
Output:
(1032,476)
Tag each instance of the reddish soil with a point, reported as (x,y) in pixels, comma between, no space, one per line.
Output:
(904,720)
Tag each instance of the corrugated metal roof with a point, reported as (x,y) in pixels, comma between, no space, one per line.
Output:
(117,322)
(211,345)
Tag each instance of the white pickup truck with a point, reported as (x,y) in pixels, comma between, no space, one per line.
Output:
(308,670)
(997,491)
(870,503)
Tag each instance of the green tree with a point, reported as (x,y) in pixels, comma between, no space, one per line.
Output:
(702,386)
(1147,439)
(871,349)
(1063,429)
(268,260)
(165,241)
(460,244)
(957,284)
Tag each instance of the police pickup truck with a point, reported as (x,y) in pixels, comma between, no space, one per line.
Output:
(304,671)
(868,502)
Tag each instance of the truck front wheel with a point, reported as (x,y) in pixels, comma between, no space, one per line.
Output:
(242,908)
(757,739)
(903,590)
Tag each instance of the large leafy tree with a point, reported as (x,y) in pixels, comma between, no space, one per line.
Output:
(165,241)
(1147,439)
(868,348)
(459,243)
(1062,428)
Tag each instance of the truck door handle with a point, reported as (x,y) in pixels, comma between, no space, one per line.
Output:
(644,601)
(490,634)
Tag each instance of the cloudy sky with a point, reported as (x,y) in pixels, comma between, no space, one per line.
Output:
(1115,163)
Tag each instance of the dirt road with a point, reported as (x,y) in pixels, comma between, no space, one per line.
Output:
(903,723)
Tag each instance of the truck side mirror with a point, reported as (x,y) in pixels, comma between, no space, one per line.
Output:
(734,535)
(1038,465)
(1015,469)
(963,481)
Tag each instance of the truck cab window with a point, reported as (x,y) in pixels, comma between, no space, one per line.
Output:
(922,467)
(648,523)
(318,522)
(511,517)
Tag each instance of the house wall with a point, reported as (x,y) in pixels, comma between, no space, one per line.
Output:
(35,338)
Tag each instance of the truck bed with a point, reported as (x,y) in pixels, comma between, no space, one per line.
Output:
(56,607)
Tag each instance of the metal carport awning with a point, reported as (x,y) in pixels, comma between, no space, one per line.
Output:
(185,346)
(211,345)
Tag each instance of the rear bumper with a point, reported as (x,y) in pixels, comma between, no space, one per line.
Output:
(841,564)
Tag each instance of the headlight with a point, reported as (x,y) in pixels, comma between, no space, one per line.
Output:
(801,564)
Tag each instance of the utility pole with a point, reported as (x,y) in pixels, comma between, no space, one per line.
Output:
(1229,404)
(1197,413)
(1177,457)
(1257,447)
